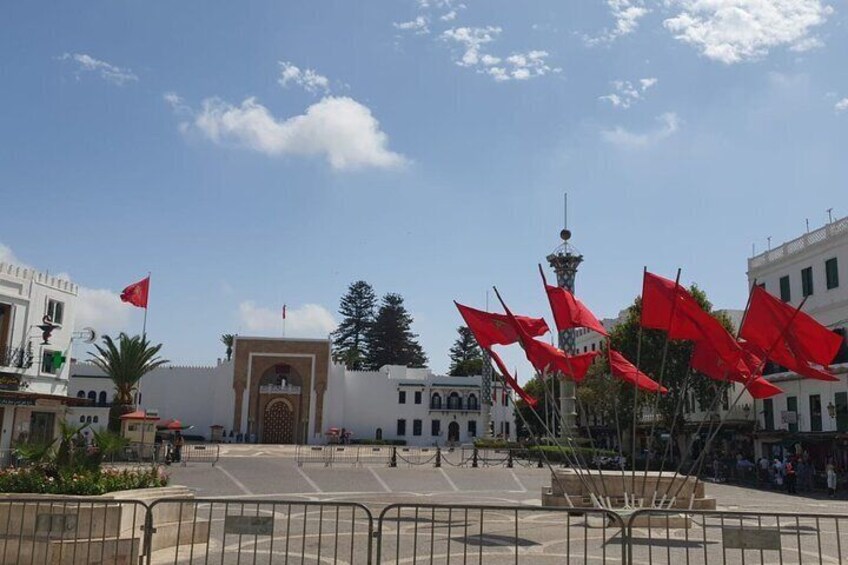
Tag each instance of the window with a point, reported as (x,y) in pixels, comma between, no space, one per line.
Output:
(506,429)
(841,402)
(401,397)
(593,347)
(47,363)
(815,413)
(92,396)
(436,401)
(472,428)
(472,402)
(768,414)
(416,427)
(82,419)
(435,427)
(725,399)
(56,311)
(81,394)
(454,401)
(401,427)
(792,407)
(41,426)
(831,272)
(807,281)
(96,419)
(785,289)
(101,398)
(417,397)
(132,427)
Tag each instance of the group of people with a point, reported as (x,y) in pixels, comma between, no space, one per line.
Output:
(792,471)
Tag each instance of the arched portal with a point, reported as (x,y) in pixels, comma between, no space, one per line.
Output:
(278,422)
(453,432)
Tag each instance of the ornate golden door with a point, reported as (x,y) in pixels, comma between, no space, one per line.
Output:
(278,423)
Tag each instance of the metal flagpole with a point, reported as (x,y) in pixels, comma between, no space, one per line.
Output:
(636,400)
(144,338)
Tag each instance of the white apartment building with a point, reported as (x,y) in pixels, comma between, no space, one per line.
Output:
(33,390)
(278,390)
(812,415)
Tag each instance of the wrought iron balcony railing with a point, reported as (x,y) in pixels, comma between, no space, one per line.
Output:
(16,357)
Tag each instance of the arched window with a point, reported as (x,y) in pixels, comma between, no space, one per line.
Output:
(436,401)
(96,419)
(472,402)
(81,394)
(92,396)
(454,401)
(88,419)
(82,419)
(101,398)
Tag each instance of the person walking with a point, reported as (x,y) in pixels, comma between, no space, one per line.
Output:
(178,447)
(830,471)
(789,469)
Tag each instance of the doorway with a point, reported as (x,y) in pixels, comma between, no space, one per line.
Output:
(278,424)
(453,432)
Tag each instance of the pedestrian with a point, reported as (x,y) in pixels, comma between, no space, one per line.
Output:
(789,470)
(830,471)
(178,446)
(778,473)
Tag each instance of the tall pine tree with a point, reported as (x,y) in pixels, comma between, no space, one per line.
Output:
(390,339)
(465,355)
(350,340)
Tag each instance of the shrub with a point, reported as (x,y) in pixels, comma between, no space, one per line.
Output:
(41,480)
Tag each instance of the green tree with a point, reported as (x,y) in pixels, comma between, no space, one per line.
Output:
(465,355)
(390,338)
(125,362)
(228,340)
(350,340)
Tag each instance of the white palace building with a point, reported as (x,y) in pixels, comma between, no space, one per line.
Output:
(288,391)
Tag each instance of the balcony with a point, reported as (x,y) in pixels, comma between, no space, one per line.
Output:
(454,408)
(16,357)
(279,389)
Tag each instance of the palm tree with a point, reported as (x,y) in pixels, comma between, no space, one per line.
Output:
(125,362)
(228,340)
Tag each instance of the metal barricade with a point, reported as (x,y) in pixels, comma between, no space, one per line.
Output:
(200,453)
(312,454)
(218,532)
(435,533)
(701,537)
(66,531)
(375,455)
(416,455)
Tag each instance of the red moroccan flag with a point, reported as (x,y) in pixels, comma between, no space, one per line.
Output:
(788,337)
(136,293)
(626,371)
(706,361)
(669,307)
(495,329)
(569,312)
(531,402)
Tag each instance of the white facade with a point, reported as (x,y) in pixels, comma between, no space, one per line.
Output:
(32,390)
(814,265)
(366,403)
(198,396)
(413,405)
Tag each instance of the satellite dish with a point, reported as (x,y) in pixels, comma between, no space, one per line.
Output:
(565,234)
(88,335)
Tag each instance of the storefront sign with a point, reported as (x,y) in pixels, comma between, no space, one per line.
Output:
(16,401)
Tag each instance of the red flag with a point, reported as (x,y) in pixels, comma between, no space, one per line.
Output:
(668,306)
(569,312)
(531,402)
(624,369)
(136,293)
(706,361)
(495,329)
(789,337)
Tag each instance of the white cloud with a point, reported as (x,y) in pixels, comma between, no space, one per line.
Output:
(842,105)
(102,310)
(308,79)
(626,93)
(449,17)
(8,256)
(309,320)
(626,14)
(732,31)
(517,66)
(420,25)
(339,128)
(107,71)
(669,123)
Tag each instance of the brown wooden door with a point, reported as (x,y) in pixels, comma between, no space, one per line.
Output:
(278,423)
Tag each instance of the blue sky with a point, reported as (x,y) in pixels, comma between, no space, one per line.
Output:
(255,154)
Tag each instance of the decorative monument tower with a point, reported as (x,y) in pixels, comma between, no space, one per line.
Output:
(486,393)
(564,260)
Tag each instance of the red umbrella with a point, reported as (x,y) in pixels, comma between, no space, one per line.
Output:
(171,424)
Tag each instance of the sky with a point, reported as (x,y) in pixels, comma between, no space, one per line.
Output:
(250,155)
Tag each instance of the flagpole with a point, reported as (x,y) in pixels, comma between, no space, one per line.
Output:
(636,398)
